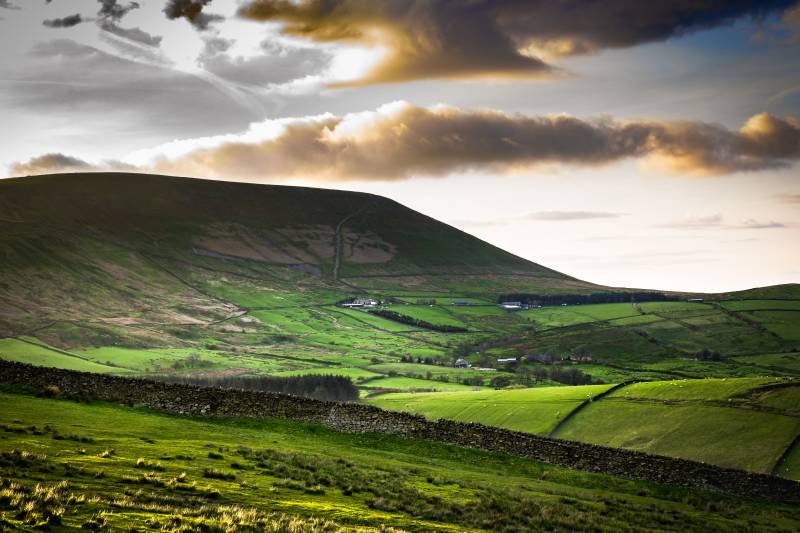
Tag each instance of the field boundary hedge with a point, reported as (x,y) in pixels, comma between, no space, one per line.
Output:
(358,418)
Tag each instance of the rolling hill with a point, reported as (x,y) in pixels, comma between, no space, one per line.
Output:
(151,275)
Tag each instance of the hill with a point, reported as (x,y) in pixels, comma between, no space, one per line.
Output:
(129,273)
(126,250)
(184,278)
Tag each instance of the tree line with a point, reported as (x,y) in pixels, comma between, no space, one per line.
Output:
(331,388)
(411,321)
(605,297)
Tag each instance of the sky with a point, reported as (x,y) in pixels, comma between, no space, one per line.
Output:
(627,143)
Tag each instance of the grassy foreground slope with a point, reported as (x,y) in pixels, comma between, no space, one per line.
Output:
(745,423)
(137,469)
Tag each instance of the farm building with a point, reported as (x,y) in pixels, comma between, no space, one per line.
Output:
(511,305)
(460,302)
(461,363)
(361,302)
(580,358)
(507,361)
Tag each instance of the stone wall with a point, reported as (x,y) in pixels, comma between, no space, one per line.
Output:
(359,418)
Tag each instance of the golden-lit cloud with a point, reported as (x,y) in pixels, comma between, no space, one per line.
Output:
(398,141)
(427,39)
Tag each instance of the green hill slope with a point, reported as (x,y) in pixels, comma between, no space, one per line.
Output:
(133,468)
(127,249)
(145,274)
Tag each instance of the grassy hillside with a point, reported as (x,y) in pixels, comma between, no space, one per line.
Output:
(134,468)
(745,423)
(152,275)
(144,274)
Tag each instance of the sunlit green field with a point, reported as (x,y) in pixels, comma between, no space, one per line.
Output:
(532,410)
(744,423)
(109,467)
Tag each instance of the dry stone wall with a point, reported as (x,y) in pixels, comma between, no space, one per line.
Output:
(359,418)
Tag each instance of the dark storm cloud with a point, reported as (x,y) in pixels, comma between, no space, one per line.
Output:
(8,5)
(191,10)
(66,22)
(512,38)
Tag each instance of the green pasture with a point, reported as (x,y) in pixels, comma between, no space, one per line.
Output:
(404,383)
(39,354)
(123,468)
(756,305)
(725,436)
(534,410)
(437,315)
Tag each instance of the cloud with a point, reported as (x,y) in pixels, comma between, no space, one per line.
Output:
(113,10)
(427,39)
(570,215)
(56,162)
(398,141)
(716,221)
(755,224)
(8,5)
(131,34)
(191,10)
(50,163)
(789,198)
(92,87)
(550,216)
(695,222)
(66,22)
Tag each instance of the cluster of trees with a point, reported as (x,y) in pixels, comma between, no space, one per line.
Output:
(605,297)
(419,360)
(411,321)
(332,388)
(426,301)
(528,376)
(707,355)
(191,361)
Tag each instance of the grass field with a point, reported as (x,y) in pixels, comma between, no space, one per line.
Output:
(35,353)
(735,438)
(133,468)
(743,423)
(531,410)
(403,383)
